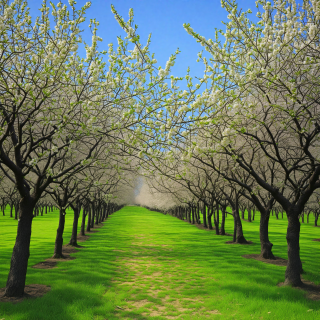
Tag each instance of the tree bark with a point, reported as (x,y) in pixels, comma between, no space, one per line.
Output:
(223,220)
(76,213)
(89,219)
(83,222)
(20,255)
(249,214)
(266,245)
(93,213)
(204,215)
(16,210)
(216,218)
(210,211)
(97,214)
(294,266)
(59,238)
(239,234)
(234,228)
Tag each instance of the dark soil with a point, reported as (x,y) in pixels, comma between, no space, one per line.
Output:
(316,240)
(50,263)
(81,238)
(278,261)
(312,290)
(30,291)
(231,242)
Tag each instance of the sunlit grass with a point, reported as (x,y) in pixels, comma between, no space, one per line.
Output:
(145,265)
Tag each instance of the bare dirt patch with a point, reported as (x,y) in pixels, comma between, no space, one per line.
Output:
(50,263)
(81,238)
(312,290)
(148,275)
(30,291)
(278,261)
(316,240)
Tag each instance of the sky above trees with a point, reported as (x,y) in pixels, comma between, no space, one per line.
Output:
(164,19)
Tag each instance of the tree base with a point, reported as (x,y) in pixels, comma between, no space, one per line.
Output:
(58,256)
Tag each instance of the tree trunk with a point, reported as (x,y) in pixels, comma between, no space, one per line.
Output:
(204,215)
(97,215)
(83,223)
(198,214)
(16,210)
(210,211)
(59,238)
(76,213)
(316,216)
(249,215)
(223,220)
(294,266)
(216,218)
(239,234)
(234,229)
(89,219)
(266,245)
(93,213)
(20,255)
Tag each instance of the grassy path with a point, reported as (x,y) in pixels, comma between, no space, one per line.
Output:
(145,265)
(169,269)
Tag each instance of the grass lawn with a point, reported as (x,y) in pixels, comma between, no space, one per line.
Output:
(145,265)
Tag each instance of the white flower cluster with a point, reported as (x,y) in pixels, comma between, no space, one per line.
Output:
(33,162)
(228,136)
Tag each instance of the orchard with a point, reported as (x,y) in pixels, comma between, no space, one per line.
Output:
(109,138)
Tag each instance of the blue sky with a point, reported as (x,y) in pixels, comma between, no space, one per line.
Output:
(162,18)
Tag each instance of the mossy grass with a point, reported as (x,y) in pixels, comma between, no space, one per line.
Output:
(146,265)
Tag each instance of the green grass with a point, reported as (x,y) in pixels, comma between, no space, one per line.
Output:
(145,265)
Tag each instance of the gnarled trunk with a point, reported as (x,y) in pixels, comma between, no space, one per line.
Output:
(216,218)
(204,215)
(249,215)
(294,266)
(239,234)
(210,211)
(76,213)
(59,238)
(20,255)
(89,219)
(93,213)
(266,245)
(83,222)
(223,212)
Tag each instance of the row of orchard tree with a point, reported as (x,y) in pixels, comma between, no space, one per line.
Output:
(251,139)
(95,202)
(251,134)
(71,127)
